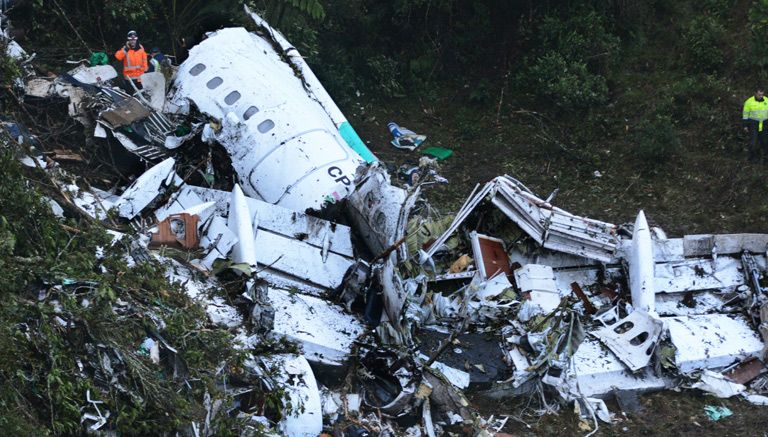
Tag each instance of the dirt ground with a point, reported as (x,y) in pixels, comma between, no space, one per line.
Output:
(708,189)
(713,192)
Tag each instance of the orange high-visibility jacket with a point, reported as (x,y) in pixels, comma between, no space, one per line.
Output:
(134,61)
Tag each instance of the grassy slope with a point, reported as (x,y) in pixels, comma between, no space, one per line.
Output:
(708,186)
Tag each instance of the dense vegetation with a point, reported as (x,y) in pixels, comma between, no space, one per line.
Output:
(622,104)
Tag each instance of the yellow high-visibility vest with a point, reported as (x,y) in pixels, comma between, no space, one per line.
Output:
(757,111)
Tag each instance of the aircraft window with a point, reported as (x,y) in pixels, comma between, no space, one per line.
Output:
(266,126)
(232,97)
(214,83)
(197,69)
(249,112)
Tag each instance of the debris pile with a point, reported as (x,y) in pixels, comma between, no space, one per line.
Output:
(352,306)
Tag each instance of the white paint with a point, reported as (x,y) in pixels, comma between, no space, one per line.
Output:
(289,245)
(325,332)
(239,222)
(154,89)
(218,240)
(598,371)
(712,341)
(295,375)
(146,188)
(539,281)
(94,75)
(222,314)
(302,161)
(282,221)
(641,262)
(716,384)
(693,274)
(633,338)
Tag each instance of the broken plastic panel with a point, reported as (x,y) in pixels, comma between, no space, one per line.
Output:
(146,188)
(633,338)
(539,281)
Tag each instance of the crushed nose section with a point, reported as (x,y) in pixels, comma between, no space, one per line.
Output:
(285,144)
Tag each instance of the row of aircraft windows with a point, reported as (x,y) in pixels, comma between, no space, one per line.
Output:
(263,127)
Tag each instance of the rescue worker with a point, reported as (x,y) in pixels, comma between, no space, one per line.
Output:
(134,60)
(754,115)
(156,58)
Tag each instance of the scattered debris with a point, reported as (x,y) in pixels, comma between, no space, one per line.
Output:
(395,314)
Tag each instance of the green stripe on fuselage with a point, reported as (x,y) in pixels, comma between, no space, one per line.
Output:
(353,140)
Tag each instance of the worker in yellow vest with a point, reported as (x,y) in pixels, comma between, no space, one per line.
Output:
(754,116)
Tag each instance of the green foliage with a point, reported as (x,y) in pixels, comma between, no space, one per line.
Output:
(703,40)
(656,141)
(758,34)
(385,75)
(583,35)
(570,59)
(313,8)
(53,348)
(9,69)
(566,83)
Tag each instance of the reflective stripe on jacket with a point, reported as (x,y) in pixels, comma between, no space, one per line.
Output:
(134,61)
(757,111)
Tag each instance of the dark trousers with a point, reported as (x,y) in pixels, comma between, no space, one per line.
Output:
(127,85)
(758,142)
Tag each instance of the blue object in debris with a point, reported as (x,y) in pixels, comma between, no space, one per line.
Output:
(716,413)
(404,138)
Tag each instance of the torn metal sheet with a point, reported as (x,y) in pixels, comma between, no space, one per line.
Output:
(325,332)
(305,414)
(282,221)
(706,244)
(146,188)
(125,112)
(641,267)
(633,338)
(390,381)
(293,250)
(712,341)
(217,240)
(96,203)
(689,304)
(718,385)
(598,371)
(539,281)
(553,227)
(222,314)
(93,75)
(296,163)
(380,211)
(723,273)
(154,89)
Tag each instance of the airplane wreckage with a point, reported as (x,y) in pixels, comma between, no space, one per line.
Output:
(511,296)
